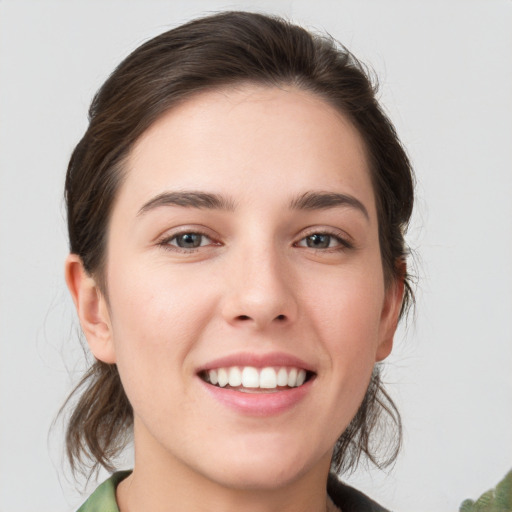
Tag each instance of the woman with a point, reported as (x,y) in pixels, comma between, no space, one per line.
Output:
(236,214)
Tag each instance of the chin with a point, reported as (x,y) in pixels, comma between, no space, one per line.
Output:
(251,477)
(266,469)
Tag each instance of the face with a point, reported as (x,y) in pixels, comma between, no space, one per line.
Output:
(246,298)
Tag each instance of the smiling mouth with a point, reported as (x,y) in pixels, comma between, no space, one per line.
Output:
(249,379)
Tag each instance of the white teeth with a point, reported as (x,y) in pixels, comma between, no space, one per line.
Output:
(251,377)
(212,374)
(223,377)
(292,378)
(268,378)
(282,377)
(235,377)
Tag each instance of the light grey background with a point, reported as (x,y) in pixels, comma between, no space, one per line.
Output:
(446,79)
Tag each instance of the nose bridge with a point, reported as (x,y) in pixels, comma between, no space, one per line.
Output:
(260,286)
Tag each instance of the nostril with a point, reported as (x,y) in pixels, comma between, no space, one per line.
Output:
(280,318)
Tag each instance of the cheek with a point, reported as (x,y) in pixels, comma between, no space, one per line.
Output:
(157,301)
(348,302)
(346,312)
(157,316)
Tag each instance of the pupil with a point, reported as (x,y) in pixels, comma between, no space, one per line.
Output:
(189,240)
(318,241)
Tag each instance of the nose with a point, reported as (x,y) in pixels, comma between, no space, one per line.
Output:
(259,291)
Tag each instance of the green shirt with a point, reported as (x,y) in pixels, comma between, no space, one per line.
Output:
(104,497)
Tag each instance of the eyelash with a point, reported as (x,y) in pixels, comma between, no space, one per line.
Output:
(166,244)
(343,243)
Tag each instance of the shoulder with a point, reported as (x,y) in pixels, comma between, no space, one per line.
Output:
(103,499)
(349,499)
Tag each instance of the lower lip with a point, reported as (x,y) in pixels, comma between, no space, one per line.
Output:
(258,404)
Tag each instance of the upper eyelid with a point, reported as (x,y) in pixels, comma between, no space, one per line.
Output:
(321,230)
(171,233)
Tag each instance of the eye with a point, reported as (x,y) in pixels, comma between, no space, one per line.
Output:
(323,241)
(188,240)
(318,241)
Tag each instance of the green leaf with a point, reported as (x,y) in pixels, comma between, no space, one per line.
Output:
(466,506)
(503,494)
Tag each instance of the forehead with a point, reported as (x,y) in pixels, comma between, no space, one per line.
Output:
(250,140)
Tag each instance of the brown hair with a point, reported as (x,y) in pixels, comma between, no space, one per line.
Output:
(219,51)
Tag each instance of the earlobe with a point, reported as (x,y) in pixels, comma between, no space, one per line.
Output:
(92,309)
(389,317)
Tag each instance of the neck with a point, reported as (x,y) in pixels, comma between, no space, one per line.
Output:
(162,483)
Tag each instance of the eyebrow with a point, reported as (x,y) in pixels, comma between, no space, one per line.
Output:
(189,199)
(209,201)
(325,200)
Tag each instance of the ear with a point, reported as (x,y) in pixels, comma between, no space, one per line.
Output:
(390,313)
(92,309)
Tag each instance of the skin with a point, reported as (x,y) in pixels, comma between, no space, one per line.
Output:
(252,287)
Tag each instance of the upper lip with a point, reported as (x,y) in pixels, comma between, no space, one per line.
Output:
(257,361)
